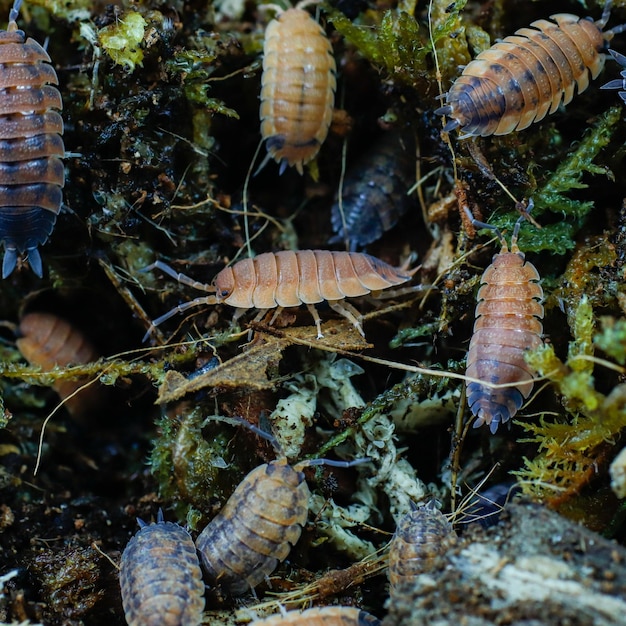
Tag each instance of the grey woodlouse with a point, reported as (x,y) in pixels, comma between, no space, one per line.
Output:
(160,577)
(31,147)
(289,279)
(326,616)
(298,88)
(258,526)
(525,77)
(421,537)
(508,323)
(618,83)
(48,340)
(374,195)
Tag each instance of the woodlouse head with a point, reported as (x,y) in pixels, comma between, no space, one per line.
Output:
(224,284)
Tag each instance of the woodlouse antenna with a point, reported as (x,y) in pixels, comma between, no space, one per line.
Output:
(181,308)
(13,15)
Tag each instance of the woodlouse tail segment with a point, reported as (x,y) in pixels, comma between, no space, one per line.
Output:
(618,83)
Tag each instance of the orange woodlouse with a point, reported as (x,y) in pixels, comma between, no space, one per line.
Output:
(525,77)
(618,83)
(31,147)
(289,279)
(48,340)
(421,537)
(160,577)
(326,616)
(508,323)
(298,88)
(256,529)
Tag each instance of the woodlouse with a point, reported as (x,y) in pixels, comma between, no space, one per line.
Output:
(48,341)
(298,88)
(289,279)
(421,537)
(258,526)
(31,147)
(374,196)
(160,577)
(525,77)
(618,83)
(508,323)
(326,616)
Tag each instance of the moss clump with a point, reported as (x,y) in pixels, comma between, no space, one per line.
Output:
(571,450)
(121,40)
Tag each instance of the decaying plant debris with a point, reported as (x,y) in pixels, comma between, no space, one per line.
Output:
(161,113)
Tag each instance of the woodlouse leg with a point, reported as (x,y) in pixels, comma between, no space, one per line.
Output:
(349,312)
(208,300)
(277,312)
(316,319)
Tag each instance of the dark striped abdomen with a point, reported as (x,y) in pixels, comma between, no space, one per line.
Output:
(522,78)
(31,148)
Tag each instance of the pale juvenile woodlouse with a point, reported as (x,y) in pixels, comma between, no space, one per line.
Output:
(289,279)
(525,77)
(48,341)
(161,578)
(298,88)
(31,147)
(618,83)
(421,537)
(258,526)
(508,324)
(374,196)
(326,616)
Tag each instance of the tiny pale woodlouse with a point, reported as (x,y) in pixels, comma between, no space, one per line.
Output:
(374,196)
(508,324)
(298,88)
(525,77)
(48,340)
(326,616)
(262,520)
(421,537)
(31,147)
(161,578)
(289,279)
(618,83)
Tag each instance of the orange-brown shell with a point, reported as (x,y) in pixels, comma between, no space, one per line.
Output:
(31,148)
(47,341)
(256,529)
(161,579)
(327,616)
(289,279)
(524,77)
(508,323)
(298,88)
(421,537)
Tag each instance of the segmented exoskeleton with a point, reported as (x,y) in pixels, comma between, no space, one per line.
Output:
(160,577)
(298,88)
(289,279)
(31,171)
(508,323)
(526,76)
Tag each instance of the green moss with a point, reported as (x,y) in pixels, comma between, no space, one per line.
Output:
(571,449)
(194,473)
(121,40)
(612,339)
(568,176)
